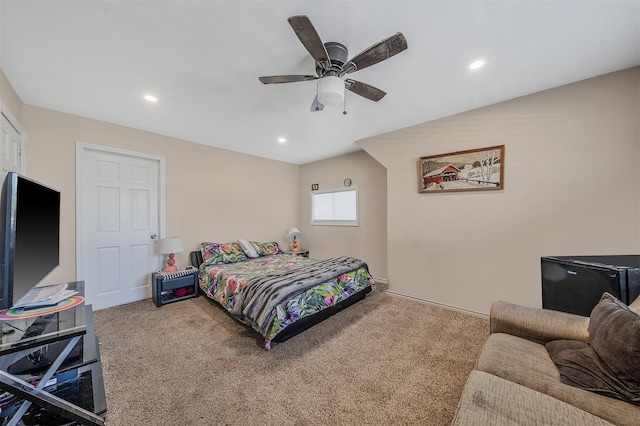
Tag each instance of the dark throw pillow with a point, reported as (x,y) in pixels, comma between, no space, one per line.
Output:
(610,363)
(614,333)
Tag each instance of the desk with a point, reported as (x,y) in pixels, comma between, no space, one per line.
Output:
(35,358)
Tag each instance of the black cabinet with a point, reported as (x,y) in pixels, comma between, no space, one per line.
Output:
(167,289)
(575,284)
(81,385)
(50,369)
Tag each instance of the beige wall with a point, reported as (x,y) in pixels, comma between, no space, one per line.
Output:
(211,194)
(9,97)
(368,241)
(572,187)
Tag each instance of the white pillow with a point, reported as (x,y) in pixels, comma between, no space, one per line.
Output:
(248,249)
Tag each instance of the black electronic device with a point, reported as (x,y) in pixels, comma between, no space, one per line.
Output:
(575,284)
(29,236)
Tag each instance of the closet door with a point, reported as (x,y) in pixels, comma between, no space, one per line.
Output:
(10,148)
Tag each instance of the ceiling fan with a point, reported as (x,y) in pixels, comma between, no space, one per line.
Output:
(332,64)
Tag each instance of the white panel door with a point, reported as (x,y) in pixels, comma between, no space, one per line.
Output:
(120,225)
(10,149)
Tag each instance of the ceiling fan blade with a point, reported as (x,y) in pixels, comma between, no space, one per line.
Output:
(364,90)
(316,105)
(378,52)
(286,78)
(310,39)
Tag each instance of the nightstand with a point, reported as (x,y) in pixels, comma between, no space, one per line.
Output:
(174,286)
(302,253)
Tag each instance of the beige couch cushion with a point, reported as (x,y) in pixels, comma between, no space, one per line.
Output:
(518,360)
(537,325)
(490,400)
(528,364)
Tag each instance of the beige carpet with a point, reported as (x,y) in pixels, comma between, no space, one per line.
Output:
(382,361)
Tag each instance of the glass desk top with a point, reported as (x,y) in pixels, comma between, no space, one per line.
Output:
(24,333)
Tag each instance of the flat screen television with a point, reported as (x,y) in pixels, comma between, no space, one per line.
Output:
(29,236)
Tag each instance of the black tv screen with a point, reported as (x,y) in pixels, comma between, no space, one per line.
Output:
(30,235)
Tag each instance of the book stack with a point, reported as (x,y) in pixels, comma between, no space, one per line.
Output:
(41,297)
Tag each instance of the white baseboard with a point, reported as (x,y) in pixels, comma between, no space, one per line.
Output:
(442,305)
(383,281)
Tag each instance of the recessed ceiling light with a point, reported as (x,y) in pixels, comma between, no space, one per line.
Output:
(151,98)
(476,64)
(282,140)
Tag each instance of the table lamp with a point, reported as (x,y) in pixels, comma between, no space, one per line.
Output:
(170,246)
(294,238)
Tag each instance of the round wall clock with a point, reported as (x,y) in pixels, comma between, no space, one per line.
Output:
(347,182)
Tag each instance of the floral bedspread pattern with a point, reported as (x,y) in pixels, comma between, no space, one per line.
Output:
(223,282)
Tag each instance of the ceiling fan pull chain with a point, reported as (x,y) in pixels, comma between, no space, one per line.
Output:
(344,102)
(317,97)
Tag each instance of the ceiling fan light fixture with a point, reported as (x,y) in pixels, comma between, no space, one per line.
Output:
(330,90)
(476,64)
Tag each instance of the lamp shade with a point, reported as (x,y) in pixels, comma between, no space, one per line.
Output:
(171,245)
(330,90)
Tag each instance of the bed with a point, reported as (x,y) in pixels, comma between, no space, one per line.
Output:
(275,293)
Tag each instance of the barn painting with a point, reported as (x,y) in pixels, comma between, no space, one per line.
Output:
(472,170)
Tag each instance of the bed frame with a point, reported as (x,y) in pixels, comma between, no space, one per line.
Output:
(306,322)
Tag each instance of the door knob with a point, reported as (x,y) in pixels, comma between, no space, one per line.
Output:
(154,236)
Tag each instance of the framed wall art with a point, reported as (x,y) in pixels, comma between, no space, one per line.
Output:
(473,170)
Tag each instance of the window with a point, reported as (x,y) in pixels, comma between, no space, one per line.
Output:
(335,207)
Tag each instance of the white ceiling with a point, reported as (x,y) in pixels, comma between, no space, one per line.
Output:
(202,59)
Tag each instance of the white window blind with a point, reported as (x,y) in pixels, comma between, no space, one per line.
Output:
(335,207)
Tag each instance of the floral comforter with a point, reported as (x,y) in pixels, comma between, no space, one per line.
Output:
(224,282)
